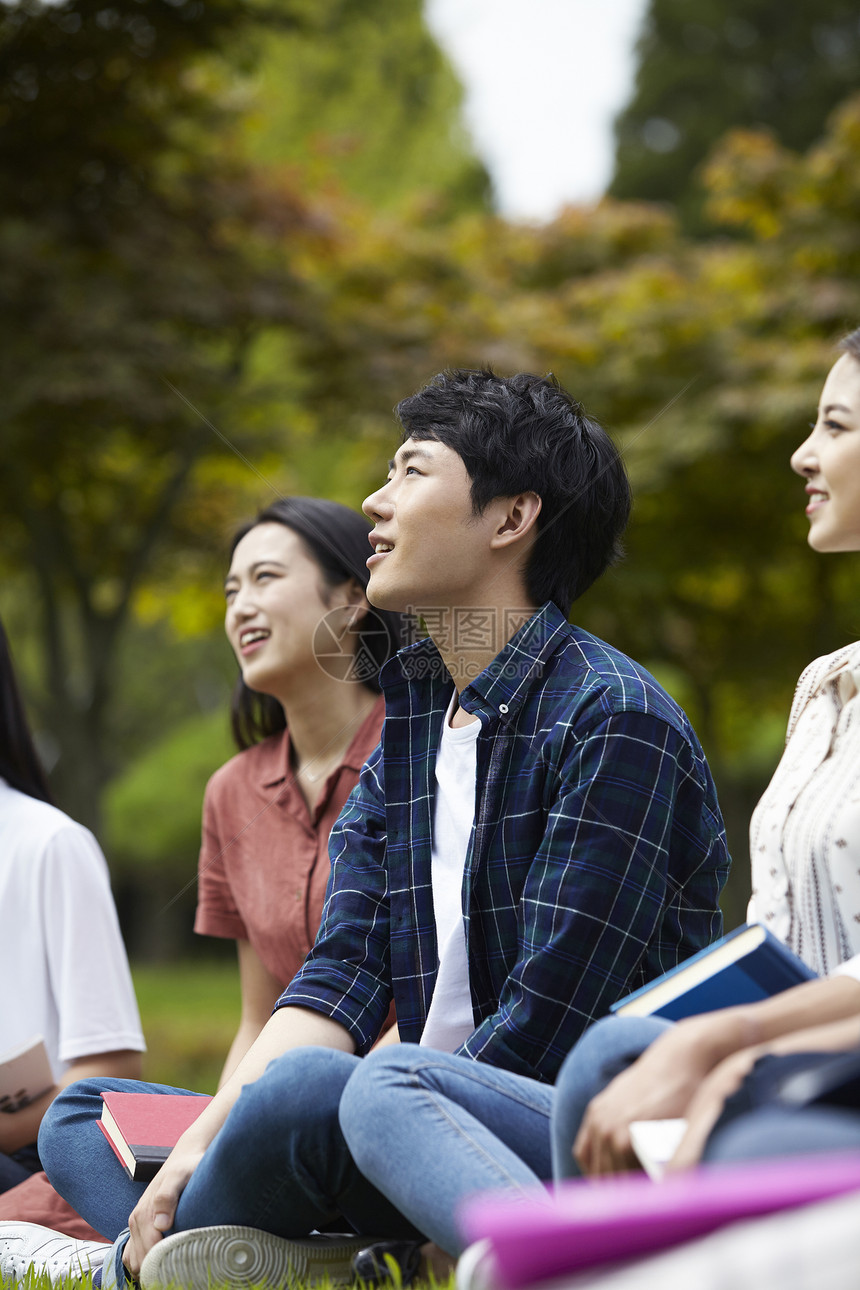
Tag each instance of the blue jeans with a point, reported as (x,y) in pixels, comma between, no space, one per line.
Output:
(429,1129)
(613,1043)
(784,1131)
(18,1166)
(604,1051)
(279,1162)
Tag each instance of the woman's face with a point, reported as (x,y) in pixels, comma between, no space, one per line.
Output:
(274,593)
(829,461)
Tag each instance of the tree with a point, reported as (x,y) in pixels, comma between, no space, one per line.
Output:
(157,307)
(372,110)
(133,267)
(712,360)
(724,64)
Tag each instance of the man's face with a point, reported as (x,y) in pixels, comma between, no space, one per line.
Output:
(430,549)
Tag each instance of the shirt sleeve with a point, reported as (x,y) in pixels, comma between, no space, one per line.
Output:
(347,974)
(625,884)
(850,967)
(88,966)
(217,913)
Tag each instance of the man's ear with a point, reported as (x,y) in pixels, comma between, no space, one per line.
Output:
(519,519)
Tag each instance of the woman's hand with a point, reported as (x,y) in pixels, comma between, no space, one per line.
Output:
(726,1078)
(707,1104)
(153,1214)
(659,1085)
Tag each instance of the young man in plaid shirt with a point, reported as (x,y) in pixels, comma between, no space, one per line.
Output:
(537,834)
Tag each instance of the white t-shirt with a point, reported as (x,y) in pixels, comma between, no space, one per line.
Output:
(63,965)
(449,1019)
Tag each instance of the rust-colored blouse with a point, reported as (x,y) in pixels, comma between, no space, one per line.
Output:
(264,857)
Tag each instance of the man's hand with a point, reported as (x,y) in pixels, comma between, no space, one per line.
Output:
(153,1214)
(660,1085)
(288,1028)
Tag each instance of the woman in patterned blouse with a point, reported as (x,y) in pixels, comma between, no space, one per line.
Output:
(805,847)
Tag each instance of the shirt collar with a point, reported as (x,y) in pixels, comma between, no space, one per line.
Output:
(274,756)
(503,685)
(845,671)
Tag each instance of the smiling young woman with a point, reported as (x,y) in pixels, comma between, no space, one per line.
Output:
(829,459)
(307,712)
(805,854)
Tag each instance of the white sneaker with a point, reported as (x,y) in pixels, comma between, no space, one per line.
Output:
(27,1247)
(246,1256)
(476,1267)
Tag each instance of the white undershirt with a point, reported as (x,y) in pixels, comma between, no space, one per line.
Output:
(449,1019)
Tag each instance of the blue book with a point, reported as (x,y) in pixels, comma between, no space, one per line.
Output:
(745,966)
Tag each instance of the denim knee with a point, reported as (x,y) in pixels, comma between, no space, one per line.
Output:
(304,1081)
(292,1109)
(358,1112)
(72,1109)
(604,1050)
(385,1066)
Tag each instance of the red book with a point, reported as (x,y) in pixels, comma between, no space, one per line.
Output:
(143,1128)
(583,1223)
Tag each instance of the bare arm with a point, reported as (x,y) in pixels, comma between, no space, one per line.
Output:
(260,991)
(288,1028)
(726,1078)
(663,1082)
(391,1036)
(19,1128)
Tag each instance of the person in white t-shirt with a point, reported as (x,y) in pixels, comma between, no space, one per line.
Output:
(805,849)
(62,960)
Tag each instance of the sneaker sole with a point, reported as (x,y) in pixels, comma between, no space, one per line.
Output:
(240,1256)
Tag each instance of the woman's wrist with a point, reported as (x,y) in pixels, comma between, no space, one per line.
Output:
(714,1036)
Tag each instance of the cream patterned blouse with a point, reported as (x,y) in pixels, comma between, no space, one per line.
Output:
(805,831)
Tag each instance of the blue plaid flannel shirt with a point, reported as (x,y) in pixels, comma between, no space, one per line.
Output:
(595,863)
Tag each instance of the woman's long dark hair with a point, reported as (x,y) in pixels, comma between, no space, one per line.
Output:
(19,761)
(336,538)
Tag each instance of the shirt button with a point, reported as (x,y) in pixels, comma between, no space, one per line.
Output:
(503,707)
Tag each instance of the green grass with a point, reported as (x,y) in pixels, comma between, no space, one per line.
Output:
(44,1283)
(85,1283)
(190,1012)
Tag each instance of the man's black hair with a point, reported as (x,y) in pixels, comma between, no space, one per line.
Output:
(526,433)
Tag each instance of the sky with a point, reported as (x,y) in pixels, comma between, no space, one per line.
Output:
(543,81)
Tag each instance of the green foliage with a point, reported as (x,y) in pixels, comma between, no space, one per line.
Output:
(129,270)
(189,1011)
(705,69)
(373,110)
(152,809)
(156,308)
(195,318)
